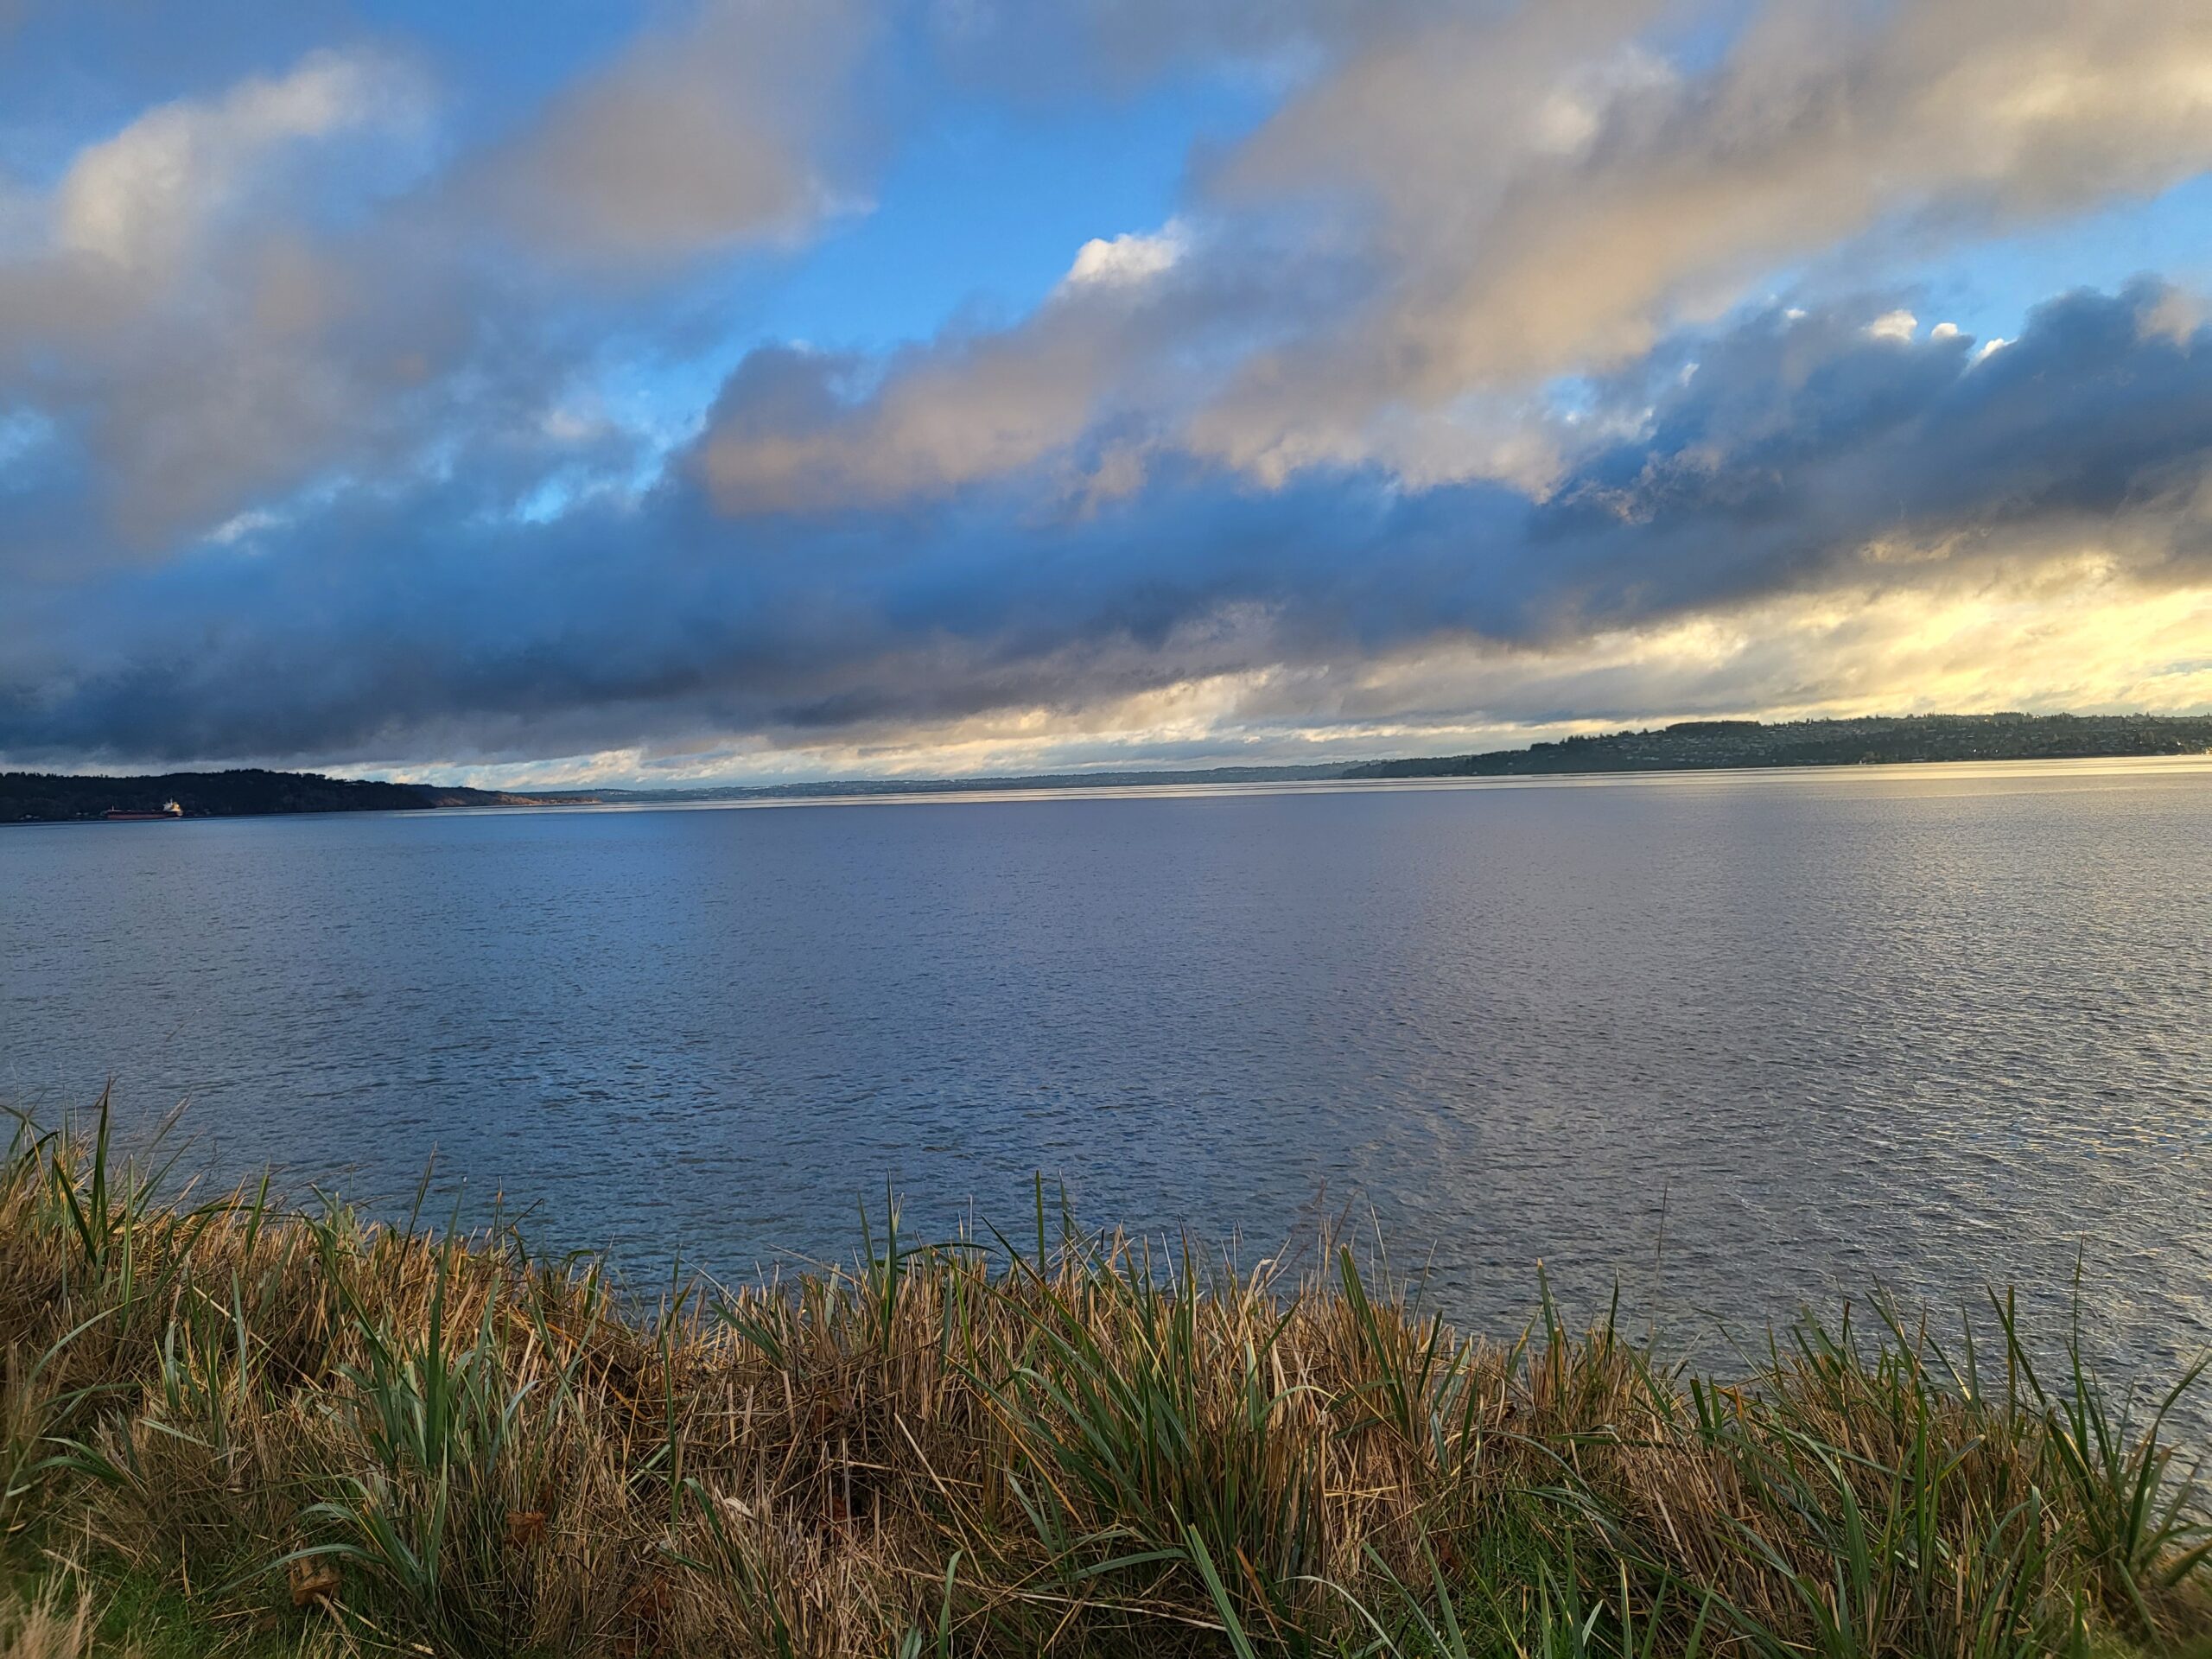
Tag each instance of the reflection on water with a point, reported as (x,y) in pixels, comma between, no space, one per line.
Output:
(1922,1025)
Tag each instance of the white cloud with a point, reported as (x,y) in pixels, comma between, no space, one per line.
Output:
(140,199)
(1457,206)
(1507,243)
(294,279)
(243,526)
(1136,257)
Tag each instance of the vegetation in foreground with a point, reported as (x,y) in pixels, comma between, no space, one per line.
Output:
(228,1427)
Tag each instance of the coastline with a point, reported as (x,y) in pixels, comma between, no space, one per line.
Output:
(1694,747)
(2088,767)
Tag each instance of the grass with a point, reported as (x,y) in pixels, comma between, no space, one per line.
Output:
(230,1427)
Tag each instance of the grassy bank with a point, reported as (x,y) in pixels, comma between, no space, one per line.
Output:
(229,1427)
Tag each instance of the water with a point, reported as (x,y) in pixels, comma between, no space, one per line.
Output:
(1734,1042)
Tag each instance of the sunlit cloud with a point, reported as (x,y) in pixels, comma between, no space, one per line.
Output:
(1508,372)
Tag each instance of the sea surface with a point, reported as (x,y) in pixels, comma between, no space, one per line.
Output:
(1726,1044)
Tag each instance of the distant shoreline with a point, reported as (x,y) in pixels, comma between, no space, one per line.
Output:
(1685,746)
(250,792)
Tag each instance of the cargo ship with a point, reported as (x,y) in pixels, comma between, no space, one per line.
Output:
(170,809)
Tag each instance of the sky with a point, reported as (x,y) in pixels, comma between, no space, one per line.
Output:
(719,390)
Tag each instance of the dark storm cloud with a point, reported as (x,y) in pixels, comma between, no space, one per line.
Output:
(1800,455)
(1799,449)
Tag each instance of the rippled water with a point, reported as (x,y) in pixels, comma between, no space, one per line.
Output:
(1735,1041)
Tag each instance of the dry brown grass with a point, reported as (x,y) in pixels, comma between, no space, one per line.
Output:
(47,1627)
(301,1422)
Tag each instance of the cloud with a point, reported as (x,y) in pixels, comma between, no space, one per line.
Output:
(1804,471)
(178,321)
(1045,52)
(717,132)
(298,281)
(141,200)
(1443,391)
(1456,204)
(1514,242)
(1081,381)
(1133,257)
